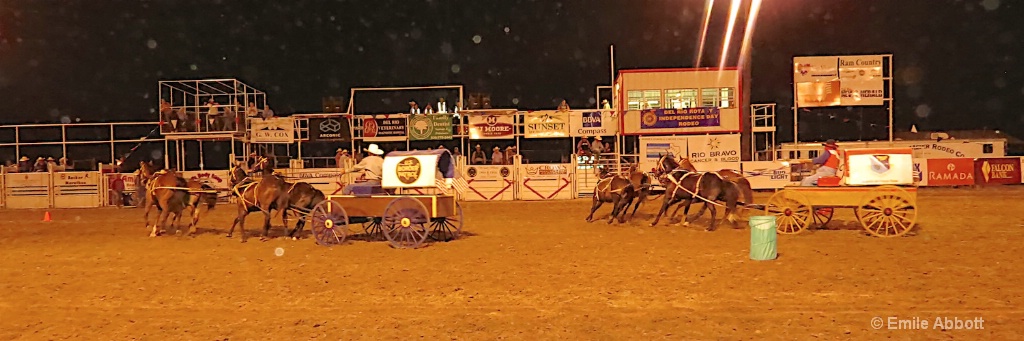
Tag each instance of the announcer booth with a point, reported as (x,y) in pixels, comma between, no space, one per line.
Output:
(692,113)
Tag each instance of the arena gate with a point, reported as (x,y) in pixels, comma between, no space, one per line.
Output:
(490,182)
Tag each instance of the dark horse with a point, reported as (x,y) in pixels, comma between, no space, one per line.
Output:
(616,189)
(728,175)
(641,184)
(270,192)
(683,185)
(171,195)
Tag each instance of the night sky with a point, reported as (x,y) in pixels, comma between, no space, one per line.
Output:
(957,62)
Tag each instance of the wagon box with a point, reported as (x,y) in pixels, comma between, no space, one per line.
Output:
(879,166)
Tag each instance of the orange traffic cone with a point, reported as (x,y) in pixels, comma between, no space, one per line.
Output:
(46,217)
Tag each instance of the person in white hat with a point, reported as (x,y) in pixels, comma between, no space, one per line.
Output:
(341,157)
(372,167)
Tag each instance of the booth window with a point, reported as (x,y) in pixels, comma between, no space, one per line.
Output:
(812,154)
(653,99)
(718,97)
(681,98)
(987,148)
(633,98)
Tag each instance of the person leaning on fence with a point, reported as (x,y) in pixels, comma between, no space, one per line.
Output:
(478,157)
(372,166)
(596,148)
(497,158)
(40,165)
(828,161)
(24,165)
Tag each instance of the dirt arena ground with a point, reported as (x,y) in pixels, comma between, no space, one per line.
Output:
(528,270)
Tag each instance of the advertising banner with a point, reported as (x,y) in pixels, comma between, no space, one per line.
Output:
(430,127)
(546,124)
(272,130)
(997,171)
(680,118)
(823,81)
(492,125)
(766,174)
(713,148)
(950,172)
(593,123)
(384,127)
(653,147)
(330,129)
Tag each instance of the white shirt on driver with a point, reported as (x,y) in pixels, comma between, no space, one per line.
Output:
(372,167)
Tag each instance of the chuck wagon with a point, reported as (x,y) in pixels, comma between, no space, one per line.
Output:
(406,221)
(877,183)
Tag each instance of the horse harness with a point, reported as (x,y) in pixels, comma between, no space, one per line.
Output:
(608,184)
(696,188)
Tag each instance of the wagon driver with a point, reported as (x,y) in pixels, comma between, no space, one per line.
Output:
(828,161)
(372,166)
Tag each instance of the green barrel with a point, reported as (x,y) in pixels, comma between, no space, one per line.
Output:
(762,238)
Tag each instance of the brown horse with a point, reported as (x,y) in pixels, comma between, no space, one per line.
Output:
(729,175)
(641,184)
(162,193)
(172,194)
(683,185)
(616,189)
(268,193)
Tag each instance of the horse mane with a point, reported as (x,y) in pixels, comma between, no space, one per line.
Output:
(687,165)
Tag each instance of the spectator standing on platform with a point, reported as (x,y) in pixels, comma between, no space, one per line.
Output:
(250,111)
(478,157)
(167,113)
(583,147)
(596,148)
(211,114)
(24,165)
(413,108)
(341,157)
(510,155)
(227,122)
(40,165)
(429,109)
(605,105)
(51,164)
(563,106)
(456,152)
(497,157)
(268,113)
(442,107)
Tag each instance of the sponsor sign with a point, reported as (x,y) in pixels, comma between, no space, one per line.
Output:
(713,148)
(555,170)
(545,124)
(680,118)
(879,169)
(593,123)
(76,179)
(430,127)
(950,172)
(384,128)
(272,130)
(921,172)
(492,125)
(997,171)
(838,80)
(653,147)
(766,174)
(330,129)
(495,173)
(408,170)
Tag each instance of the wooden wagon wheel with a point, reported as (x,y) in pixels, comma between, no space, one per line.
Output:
(329,223)
(405,223)
(447,228)
(823,215)
(373,228)
(887,211)
(791,209)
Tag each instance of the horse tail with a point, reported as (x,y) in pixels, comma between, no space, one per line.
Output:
(748,191)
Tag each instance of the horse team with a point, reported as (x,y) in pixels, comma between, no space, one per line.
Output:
(683,185)
(172,194)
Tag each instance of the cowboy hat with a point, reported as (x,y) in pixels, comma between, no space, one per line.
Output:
(339,150)
(597,138)
(23,158)
(830,143)
(49,159)
(374,149)
(497,148)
